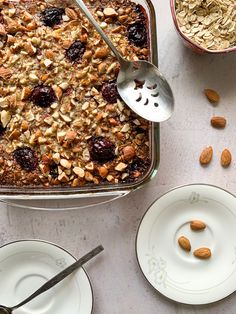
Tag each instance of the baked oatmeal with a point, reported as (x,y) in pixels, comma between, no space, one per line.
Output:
(62,120)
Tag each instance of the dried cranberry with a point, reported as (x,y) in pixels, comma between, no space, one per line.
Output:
(2,129)
(43,96)
(101,149)
(137,34)
(53,170)
(76,51)
(26,158)
(139,9)
(137,164)
(110,92)
(52,16)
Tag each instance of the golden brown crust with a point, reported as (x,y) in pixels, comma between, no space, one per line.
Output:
(33,54)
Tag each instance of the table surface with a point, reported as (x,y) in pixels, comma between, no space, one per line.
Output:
(119,287)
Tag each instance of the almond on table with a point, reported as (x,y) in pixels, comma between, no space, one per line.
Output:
(212,95)
(218,122)
(226,158)
(206,155)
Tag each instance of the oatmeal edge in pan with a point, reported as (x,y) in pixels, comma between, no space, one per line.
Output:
(62,120)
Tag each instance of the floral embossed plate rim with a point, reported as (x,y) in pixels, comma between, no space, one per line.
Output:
(175,273)
(27,264)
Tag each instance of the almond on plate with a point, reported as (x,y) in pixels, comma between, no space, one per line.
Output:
(197,225)
(203,253)
(212,95)
(226,158)
(218,122)
(206,155)
(184,243)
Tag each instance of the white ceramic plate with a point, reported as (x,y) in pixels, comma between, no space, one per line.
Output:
(26,265)
(169,269)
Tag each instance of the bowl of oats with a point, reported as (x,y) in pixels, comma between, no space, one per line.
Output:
(206,26)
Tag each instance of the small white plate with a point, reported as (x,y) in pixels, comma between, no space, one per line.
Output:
(178,274)
(26,265)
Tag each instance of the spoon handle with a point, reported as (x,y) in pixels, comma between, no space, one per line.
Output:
(62,275)
(90,17)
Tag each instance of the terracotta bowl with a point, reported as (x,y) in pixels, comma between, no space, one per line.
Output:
(190,43)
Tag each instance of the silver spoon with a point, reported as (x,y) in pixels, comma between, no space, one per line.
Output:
(53,281)
(140,84)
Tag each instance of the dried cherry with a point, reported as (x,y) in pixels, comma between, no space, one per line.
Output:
(52,16)
(101,149)
(43,96)
(26,158)
(110,92)
(137,34)
(2,129)
(76,51)
(53,170)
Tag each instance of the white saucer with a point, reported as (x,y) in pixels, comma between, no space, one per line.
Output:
(26,265)
(175,273)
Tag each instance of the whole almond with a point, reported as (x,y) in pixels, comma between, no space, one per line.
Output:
(218,122)
(184,243)
(226,158)
(202,253)
(212,95)
(71,14)
(101,53)
(197,225)
(206,155)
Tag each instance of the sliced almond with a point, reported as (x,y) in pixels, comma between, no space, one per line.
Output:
(121,167)
(25,94)
(103,171)
(4,73)
(218,122)
(197,225)
(212,95)
(65,163)
(206,155)
(110,12)
(71,136)
(226,158)
(101,53)
(203,253)
(5,118)
(184,243)
(79,172)
(24,126)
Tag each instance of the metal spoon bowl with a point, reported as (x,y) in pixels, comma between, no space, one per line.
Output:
(140,84)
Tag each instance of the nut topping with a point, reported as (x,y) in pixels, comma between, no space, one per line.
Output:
(59,99)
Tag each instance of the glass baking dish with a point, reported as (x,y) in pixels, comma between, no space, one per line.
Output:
(72,198)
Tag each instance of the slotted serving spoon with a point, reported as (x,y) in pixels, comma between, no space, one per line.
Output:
(140,84)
